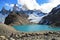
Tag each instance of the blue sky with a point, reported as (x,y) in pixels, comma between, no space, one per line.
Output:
(42,1)
(2,2)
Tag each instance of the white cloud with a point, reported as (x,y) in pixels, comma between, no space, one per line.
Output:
(30,4)
(6,4)
(46,7)
(9,5)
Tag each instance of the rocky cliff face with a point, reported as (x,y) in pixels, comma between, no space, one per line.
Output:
(16,19)
(53,18)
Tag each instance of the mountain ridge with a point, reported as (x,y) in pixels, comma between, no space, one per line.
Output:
(52,18)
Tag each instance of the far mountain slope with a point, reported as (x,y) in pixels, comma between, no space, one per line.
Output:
(53,18)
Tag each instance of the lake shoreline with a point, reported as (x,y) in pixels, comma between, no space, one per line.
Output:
(9,33)
(35,28)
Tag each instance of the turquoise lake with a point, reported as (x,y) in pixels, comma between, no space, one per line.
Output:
(36,28)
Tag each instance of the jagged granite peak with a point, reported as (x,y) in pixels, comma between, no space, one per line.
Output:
(22,9)
(37,12)
(16,19)
(53,18)
(16,8)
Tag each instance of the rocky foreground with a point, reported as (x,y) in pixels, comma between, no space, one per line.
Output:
(9,33)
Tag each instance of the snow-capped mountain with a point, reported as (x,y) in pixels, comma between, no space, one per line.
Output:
(36,16)
(33,15)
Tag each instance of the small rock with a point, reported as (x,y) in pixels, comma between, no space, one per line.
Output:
(2,37)
(53,39)
(12,39)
